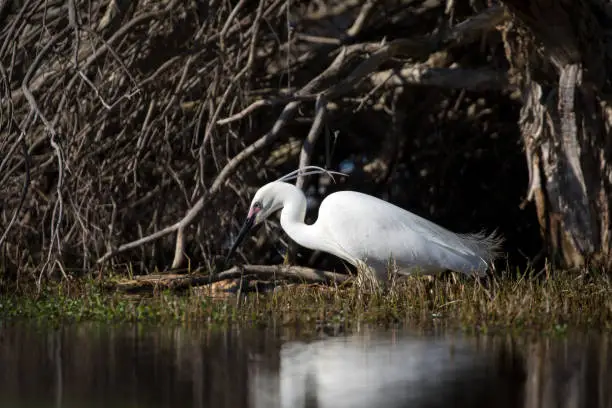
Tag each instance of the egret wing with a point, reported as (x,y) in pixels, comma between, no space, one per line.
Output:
(375,230)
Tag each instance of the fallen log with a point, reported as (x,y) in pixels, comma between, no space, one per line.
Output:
(179,282)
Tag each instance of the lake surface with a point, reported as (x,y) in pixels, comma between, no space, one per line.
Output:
(95,365)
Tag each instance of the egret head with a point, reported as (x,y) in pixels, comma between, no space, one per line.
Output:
(270,198)
(267,201)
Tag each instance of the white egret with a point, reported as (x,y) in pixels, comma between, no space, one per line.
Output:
(368,232)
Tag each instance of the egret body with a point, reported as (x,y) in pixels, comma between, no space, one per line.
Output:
(366,231)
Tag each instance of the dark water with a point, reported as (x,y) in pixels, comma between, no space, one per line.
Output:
(140,366)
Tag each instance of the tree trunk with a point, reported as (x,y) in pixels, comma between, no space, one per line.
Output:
(560,62)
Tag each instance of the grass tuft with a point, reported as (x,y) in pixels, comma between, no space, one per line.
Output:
(548,303)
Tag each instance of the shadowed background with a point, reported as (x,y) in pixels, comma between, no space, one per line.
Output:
(116,136)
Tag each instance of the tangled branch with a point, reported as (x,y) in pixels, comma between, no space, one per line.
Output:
(141,114)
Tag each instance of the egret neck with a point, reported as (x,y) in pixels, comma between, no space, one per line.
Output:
(293,214)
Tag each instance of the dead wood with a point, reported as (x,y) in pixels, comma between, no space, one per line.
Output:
(381,53)
(274,273)
(566,127)
(142,120)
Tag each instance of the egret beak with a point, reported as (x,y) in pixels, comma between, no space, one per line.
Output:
(244,231)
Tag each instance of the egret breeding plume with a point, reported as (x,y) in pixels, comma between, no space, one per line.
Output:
(368,232)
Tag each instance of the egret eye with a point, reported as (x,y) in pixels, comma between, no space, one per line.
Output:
(257,205)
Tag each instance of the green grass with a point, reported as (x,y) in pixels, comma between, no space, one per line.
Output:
(553,304)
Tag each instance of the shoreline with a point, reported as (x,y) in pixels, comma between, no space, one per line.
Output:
(555,303)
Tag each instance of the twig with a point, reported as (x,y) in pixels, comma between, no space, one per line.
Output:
(229,21)
(32,69)
(73,21)
(106,105)
(315,39)
(261,103)
(362,17)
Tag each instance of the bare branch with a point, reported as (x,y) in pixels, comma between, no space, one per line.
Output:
(311,139)
(457,78)
(363,15)
(260,104)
